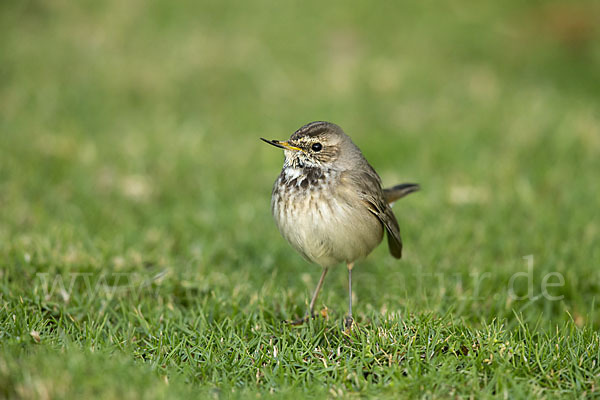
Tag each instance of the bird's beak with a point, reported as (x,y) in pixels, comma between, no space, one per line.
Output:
(281,145)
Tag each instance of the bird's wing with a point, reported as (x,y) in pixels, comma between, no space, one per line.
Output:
(369,189)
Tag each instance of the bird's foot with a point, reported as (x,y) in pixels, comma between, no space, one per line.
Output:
(301,321)
(348,322)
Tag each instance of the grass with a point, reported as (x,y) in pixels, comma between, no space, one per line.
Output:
(138,256)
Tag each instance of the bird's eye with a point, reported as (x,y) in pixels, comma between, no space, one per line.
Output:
(316,147)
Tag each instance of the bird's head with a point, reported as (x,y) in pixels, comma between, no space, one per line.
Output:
(318,145)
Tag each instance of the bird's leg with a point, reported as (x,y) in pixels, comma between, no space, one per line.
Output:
(349,318)
(316,293)
(301,321)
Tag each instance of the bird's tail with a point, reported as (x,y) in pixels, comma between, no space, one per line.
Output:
(397,192)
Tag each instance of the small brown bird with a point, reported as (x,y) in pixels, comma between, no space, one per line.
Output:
(328,202)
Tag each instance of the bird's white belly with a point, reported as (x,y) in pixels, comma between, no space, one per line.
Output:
(326,229)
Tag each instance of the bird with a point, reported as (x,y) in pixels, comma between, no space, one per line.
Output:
(329,204)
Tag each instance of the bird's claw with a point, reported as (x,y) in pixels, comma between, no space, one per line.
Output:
(300,321)
(348,322)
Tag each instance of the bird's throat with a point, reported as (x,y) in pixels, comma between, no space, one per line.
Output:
(305,177)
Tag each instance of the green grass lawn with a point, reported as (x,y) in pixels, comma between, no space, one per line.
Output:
(138,255)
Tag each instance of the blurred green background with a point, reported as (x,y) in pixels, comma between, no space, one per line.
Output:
(129,143)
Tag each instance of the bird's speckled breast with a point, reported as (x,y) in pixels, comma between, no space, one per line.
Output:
(323,221)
